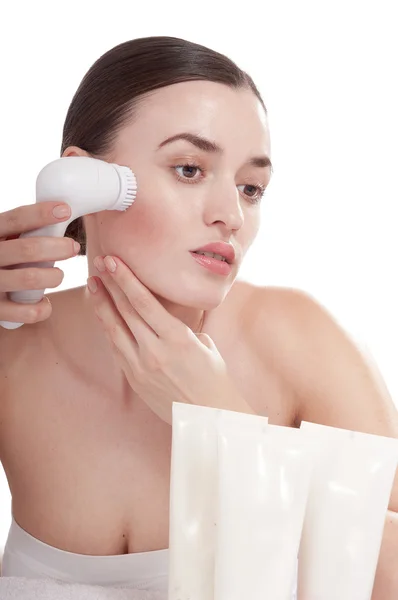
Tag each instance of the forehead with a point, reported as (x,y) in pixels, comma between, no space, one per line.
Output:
(228,116)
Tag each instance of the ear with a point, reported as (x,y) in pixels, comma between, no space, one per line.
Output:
(75,151)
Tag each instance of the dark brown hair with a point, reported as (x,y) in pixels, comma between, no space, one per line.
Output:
(119,79)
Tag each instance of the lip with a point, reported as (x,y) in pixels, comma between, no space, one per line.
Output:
(222,248)
(215,265)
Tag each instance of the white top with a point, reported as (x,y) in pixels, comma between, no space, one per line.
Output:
(25,556)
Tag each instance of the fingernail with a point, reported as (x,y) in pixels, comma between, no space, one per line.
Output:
(61,211)
(110,264)
(76,246)
(99,264)
(92,285)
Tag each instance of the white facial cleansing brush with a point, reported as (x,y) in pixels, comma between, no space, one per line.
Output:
(88,185)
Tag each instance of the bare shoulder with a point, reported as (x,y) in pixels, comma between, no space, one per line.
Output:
(334,383)
(19,349)
(14,367)
(272,317)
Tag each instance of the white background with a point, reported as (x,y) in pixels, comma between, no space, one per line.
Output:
(327,72)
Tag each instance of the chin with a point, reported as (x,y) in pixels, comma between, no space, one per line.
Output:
(191,299)
(197,294)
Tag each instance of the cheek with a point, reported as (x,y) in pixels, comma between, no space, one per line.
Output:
(255,227)
(150,225)
(145,225)
(249,231)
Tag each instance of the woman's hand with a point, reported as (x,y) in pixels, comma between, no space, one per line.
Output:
(163,360)
(19,258)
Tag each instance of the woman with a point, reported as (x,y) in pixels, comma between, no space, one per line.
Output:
(85,434)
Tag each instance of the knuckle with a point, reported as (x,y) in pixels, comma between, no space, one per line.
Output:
(130,310)
(33,314)
(140,375)
(38,311)
(29,248)
(31,278)
(155,363)
(141,302)
(46,210)
(114,330)
(12,221)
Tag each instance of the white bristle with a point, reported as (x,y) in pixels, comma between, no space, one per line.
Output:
(129,187)
(131,191)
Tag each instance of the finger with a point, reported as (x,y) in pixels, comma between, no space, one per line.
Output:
(143,301)
(143,334)
(30,217)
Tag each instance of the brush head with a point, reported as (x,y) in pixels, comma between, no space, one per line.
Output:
(128,188)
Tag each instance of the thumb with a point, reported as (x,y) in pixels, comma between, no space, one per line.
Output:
(206,340)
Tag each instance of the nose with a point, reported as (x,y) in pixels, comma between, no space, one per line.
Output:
(224,205)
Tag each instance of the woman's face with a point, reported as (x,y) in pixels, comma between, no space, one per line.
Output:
(215,197)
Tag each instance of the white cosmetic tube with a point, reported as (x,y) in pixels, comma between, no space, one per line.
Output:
(264,480)
(345,514)
(194,499)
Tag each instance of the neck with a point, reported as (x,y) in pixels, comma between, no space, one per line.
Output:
(191,317)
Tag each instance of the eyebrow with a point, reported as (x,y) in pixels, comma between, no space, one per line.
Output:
(208,146)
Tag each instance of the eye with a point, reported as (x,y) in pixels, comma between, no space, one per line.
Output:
(255,193)
(189,172)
